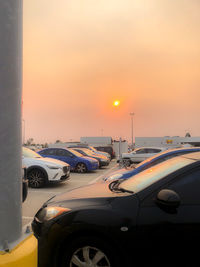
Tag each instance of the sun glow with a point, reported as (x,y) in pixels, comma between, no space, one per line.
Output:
(116,103)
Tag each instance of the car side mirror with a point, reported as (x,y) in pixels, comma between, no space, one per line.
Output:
(168,201)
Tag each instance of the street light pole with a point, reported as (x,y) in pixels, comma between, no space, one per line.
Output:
(132,114)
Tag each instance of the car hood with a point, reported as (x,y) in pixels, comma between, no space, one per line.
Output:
(104,154)
(115,175)
(47,160)
(92,194)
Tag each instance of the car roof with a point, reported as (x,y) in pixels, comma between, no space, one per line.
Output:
(167,153)
(174,150)
(193,155)
(151,147)
(81,148)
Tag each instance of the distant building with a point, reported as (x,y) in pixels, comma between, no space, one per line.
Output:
(166,141)
(62,144)
(96,140)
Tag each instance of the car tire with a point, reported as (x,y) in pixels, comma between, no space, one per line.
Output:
(36,178)
(126,162)
(81,168)
(89,251)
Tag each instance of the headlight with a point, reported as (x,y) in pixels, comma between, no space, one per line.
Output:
(49,213)
(113,177)
(53,167)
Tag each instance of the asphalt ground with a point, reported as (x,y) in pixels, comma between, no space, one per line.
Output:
(36,197)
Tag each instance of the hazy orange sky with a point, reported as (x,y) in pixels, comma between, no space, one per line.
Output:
(81,55)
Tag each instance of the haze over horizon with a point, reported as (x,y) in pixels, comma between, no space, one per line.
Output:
(80,56)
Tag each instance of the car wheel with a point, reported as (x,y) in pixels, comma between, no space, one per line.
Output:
(88,252)
(81,168)
(126,162)
(36,178)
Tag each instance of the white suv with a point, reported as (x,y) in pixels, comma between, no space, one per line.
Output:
(142,153)
(42,170)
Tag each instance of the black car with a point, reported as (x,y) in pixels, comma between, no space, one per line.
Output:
(108,149)
(153,217)
(103,160)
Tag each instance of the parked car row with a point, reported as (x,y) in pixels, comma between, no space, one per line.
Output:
(77,161)
(94,150)
(140,218)
(55,164)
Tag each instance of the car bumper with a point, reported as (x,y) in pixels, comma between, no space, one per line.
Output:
(104,163)
(93,167)
(62,179)
(59,175)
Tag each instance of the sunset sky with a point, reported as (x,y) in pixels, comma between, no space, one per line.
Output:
(82,55)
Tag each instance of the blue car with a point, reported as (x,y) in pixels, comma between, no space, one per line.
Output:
(129,172)
(77,162)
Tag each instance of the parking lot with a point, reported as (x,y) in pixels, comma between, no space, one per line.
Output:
(36,197)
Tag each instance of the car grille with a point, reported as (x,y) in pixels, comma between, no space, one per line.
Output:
(65,169)
(64,177)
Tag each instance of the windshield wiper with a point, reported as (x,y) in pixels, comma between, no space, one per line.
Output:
(114,186)
(123,190)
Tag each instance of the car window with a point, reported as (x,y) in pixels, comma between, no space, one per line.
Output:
(80,151)
(28,153)
(92,148)
(76,153)
(105,149)
(100,148)
(43,152)
(89,152)
(153,163)
(140,151)
(145,178)
(153,150)
(51,151)
(187,187)
(62,153)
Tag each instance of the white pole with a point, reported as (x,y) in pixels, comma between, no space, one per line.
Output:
(10,121)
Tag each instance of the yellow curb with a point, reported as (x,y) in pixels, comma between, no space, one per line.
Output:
(23,255)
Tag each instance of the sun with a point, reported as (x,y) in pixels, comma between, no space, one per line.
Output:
(116,103)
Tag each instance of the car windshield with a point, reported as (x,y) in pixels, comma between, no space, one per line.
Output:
(94,149)
(28,153)
(152,175)
(88,152)
(76,153)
